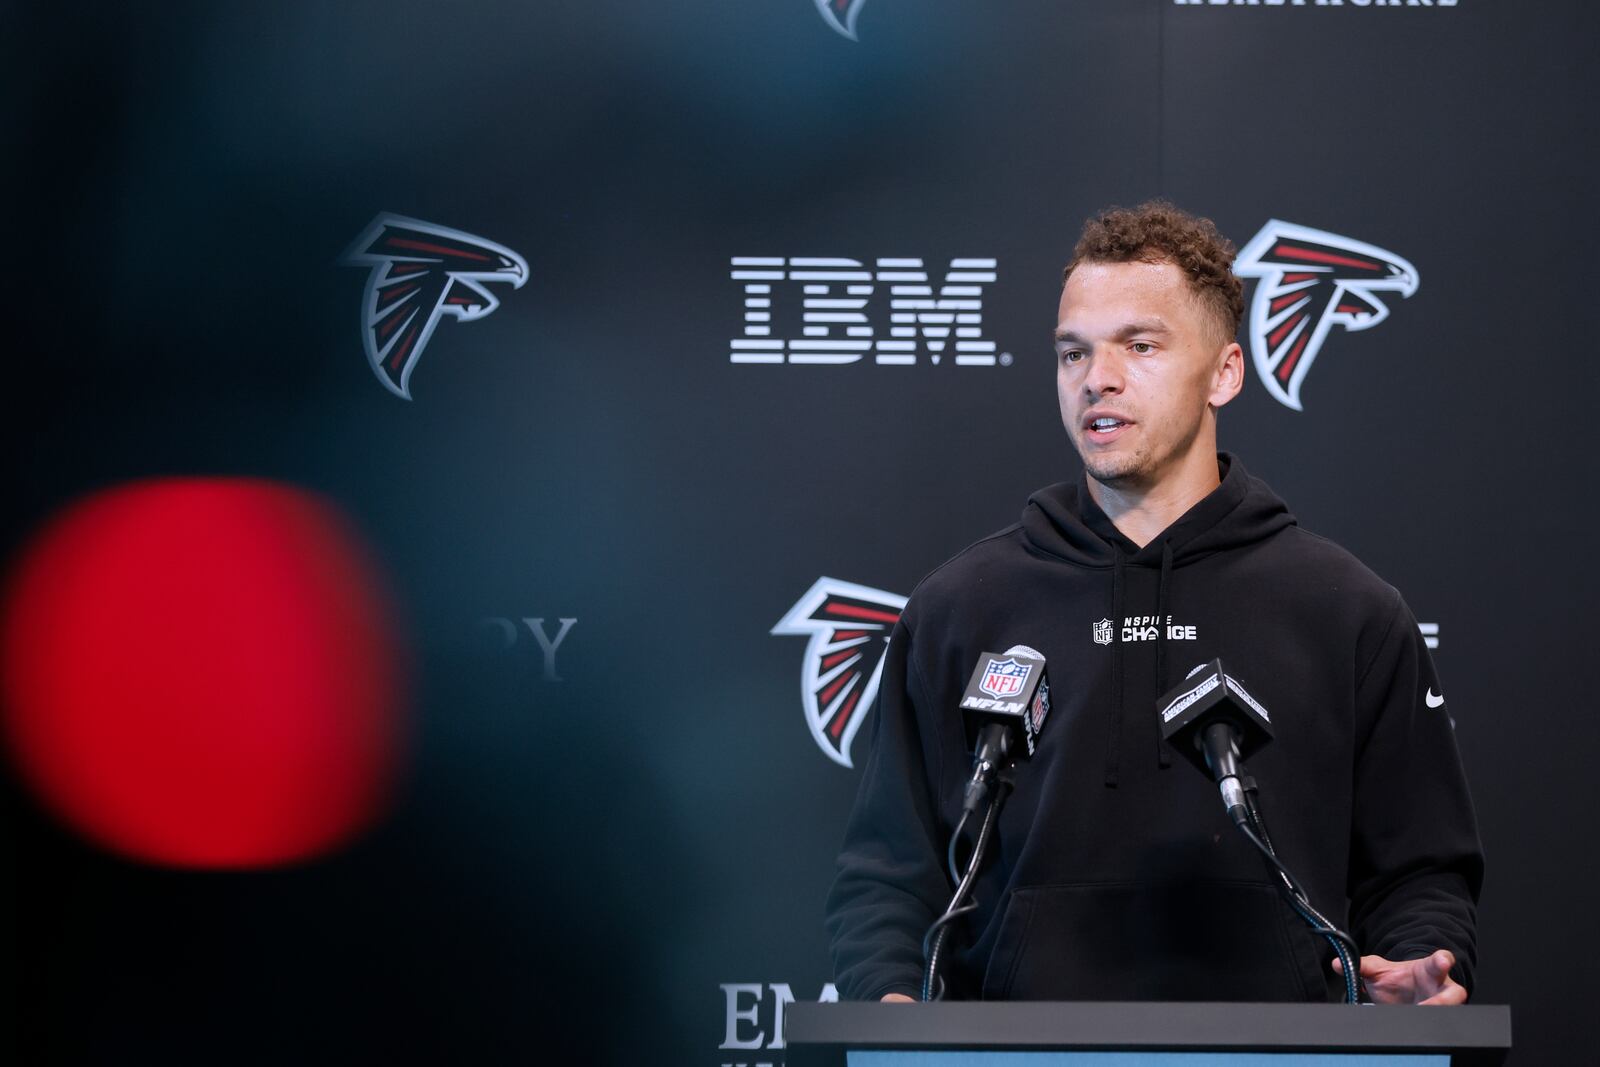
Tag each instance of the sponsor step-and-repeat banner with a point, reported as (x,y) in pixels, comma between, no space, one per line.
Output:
(681,344)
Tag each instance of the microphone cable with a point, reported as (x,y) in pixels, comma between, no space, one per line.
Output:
(950,853)
(933,941)
(1295,895)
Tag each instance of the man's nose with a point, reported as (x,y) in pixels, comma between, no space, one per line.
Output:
(1105,375)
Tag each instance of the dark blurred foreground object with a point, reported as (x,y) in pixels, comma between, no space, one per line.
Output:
(202,673)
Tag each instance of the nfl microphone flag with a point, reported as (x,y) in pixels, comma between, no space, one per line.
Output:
(1007,688)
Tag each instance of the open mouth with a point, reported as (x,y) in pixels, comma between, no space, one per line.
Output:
(1104,427)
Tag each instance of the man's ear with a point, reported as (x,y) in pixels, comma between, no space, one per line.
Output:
(1229,377)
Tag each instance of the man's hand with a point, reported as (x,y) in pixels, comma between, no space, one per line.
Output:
(897,998)
(1424,981)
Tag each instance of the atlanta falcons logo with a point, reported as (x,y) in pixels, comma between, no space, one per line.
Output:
(841,15)
(1312,281)
(419,273)
(849,628)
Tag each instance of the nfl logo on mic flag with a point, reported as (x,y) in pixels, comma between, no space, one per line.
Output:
(1005,678)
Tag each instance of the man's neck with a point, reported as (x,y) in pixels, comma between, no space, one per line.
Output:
(1142,512)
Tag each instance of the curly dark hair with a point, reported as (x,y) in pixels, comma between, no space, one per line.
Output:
(1159,232)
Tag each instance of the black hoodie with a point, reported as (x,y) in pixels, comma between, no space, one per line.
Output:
(1116,874)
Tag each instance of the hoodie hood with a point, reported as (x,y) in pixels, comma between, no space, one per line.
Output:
(1062,520)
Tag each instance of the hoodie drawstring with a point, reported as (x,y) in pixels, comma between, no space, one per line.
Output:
(1114,733)
(1163,758)
(1120,715)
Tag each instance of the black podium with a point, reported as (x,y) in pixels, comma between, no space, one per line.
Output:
(1037,1034)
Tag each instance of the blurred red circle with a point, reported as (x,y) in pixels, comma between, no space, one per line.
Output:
(202,673)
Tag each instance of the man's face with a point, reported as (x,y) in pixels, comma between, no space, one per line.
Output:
(1138,361)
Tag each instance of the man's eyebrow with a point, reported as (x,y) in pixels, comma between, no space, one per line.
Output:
(1132,329)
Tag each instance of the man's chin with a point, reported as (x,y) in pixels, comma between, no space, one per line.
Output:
(1122,473)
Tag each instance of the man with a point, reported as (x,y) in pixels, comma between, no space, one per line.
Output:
(1115,875)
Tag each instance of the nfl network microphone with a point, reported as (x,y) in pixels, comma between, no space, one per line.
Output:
(1214,723)
(1003,709)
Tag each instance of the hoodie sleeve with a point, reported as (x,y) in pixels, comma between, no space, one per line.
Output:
(891,883)
(1416,865)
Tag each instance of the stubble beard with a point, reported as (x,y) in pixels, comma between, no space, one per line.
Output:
(1121,471)
(1139,467)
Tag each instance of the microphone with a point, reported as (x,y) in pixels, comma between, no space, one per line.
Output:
(1214,724)
(1003,709)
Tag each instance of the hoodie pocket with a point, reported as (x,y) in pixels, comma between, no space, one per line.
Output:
(1131,941)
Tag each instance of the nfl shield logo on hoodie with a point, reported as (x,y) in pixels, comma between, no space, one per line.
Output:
(1102,632)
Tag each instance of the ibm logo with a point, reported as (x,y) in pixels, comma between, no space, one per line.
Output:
(838,299)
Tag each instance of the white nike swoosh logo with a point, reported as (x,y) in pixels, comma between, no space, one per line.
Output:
(1433,701)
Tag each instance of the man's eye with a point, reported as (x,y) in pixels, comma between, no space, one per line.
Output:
(1071,355)
(1144,348)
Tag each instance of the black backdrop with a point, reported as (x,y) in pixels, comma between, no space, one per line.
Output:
(629,858)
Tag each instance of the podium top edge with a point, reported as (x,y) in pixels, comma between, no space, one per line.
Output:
(1149,1025)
